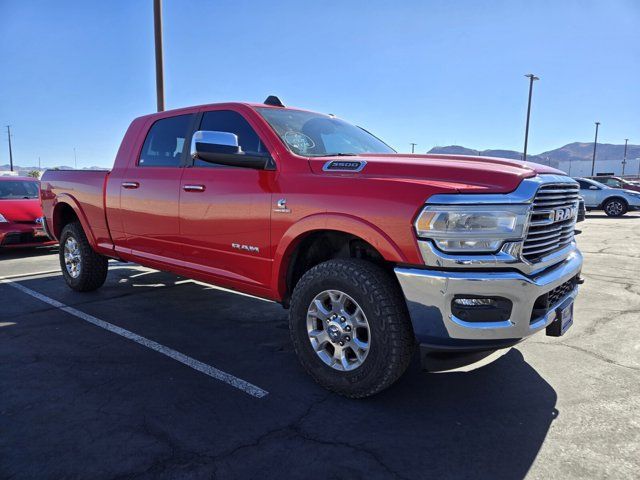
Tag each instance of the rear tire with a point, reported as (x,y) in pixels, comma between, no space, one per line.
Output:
(615,207)
(359,304)
(83,269)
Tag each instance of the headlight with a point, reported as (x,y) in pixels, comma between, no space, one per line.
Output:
(2,219)
(468,228)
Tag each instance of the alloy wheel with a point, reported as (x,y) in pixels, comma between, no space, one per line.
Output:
(338,330)
(72,257)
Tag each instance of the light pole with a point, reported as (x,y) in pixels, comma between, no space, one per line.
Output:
(10,151)
(595,144)
(413,147)
(624,158)
(157,28)
(531,78)
(75,159)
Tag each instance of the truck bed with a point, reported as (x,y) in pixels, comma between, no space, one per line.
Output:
(84,190)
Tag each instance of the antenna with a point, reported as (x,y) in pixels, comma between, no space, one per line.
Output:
(273,101)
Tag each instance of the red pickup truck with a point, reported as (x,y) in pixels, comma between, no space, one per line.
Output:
(373,252)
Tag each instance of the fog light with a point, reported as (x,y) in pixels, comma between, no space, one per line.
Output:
(474,302)
(481,309)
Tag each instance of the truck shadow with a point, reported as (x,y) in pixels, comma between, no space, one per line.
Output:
(486,423)
(490,422)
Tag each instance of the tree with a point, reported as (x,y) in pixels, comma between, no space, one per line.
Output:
(34,174)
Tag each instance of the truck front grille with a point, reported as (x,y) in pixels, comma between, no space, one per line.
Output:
(549,229)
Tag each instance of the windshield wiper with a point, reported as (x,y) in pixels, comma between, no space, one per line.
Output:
(340,154)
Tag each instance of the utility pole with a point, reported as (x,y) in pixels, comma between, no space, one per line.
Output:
(595,144)
(531,78)
(157,27)
(624,158)
(75,159)
(413,147)
(10,151)
(39,167)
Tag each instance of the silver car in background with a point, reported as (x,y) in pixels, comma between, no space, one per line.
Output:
(614,201)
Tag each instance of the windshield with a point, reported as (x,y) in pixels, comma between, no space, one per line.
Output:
(316,135)
(18,189)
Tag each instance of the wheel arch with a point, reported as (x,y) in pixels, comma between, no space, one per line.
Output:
(66,211)
(357,233)
(614,197)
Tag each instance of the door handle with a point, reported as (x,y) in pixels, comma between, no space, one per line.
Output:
(130,185)
(193,188)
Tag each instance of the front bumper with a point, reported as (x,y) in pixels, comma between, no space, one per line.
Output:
(429,295)
(22,235)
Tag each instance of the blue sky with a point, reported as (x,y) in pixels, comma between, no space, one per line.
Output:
(75,73)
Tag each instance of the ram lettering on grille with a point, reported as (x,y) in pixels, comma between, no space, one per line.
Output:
(553,219)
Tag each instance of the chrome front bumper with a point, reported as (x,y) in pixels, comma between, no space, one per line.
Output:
(429,294)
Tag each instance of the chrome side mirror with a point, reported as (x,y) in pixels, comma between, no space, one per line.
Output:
(222,148)
(225,142)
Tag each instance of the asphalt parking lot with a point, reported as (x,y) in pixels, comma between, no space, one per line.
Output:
(81,401)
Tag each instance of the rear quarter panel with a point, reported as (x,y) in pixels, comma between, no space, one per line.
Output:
(83,191)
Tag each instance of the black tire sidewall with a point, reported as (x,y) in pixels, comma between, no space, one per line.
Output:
(367,375)
(622,212)
(93,267)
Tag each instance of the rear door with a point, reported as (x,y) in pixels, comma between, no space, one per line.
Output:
(150,191)
(225,211)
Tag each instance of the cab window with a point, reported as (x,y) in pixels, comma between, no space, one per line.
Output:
(165,142)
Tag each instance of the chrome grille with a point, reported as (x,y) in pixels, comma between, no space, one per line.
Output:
(548,233)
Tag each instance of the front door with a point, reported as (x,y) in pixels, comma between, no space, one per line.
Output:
(150,192)
(590,196)
(225,211)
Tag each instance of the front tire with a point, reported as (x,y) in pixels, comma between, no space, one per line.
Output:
(350,327)
(83,269)
(615,207)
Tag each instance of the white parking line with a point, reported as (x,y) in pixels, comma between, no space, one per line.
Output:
(180,357)
(33,274)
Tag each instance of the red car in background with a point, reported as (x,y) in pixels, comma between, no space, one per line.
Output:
(616,182)
(21,214)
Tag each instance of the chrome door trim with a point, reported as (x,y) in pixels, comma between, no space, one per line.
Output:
(193,188)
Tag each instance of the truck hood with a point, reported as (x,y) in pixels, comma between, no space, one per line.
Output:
(22,210)
(456,172)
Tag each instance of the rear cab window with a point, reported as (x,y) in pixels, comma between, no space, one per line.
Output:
(165,142)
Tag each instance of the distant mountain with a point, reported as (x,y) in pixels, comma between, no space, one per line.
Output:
(576,151)
(584,151)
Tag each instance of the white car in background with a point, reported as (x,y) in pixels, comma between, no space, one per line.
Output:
(614,201)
